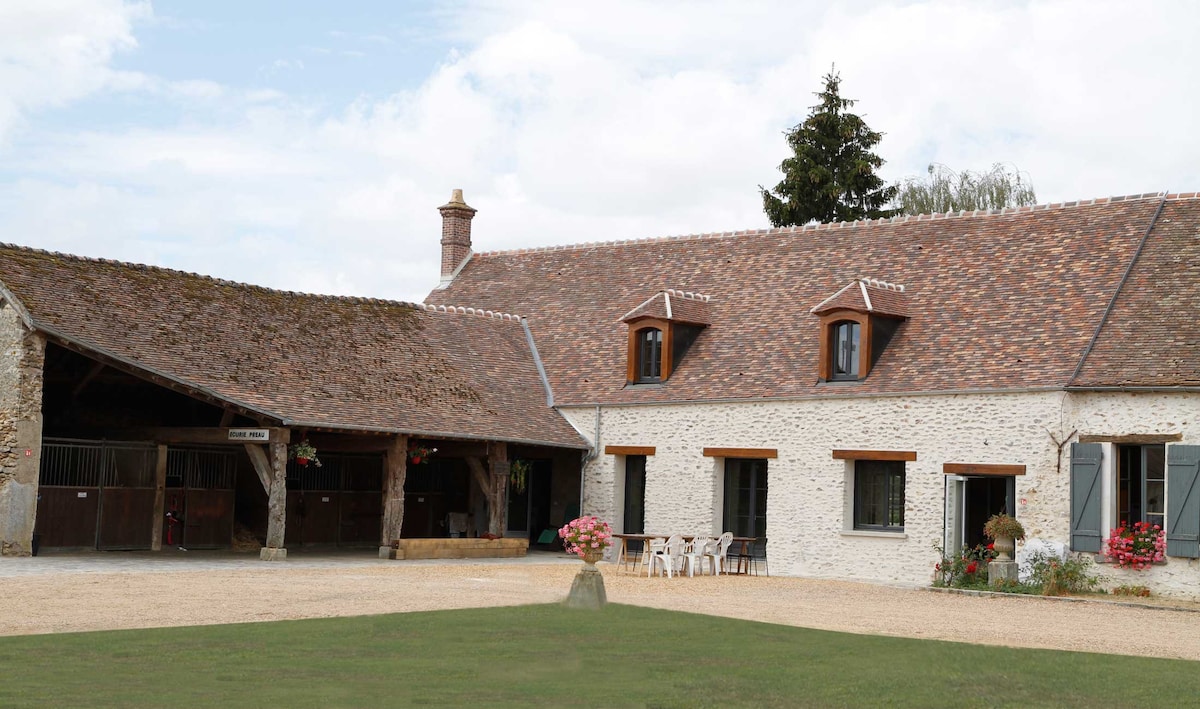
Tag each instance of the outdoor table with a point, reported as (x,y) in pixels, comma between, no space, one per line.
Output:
(626,538)
(744,555)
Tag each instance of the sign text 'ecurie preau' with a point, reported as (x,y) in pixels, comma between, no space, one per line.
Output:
(249,434)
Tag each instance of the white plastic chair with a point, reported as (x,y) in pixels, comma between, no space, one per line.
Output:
(670,556)
(694,556)
(719,551)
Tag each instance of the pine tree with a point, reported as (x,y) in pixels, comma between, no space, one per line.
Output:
(832,176)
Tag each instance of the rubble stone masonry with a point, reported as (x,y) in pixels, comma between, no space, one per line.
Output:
(809,506)
(22,355)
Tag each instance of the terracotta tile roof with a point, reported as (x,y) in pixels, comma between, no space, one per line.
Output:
(677,306)
(995,300)
(1152,335)
(305,360)
(867,295)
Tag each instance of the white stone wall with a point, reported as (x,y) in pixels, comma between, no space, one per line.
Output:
(809,513)
(21,358)
(1142,414)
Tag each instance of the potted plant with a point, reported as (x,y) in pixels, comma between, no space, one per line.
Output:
(303,452)
(1005,530)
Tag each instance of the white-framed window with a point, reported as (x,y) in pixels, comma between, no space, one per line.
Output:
(1114,483)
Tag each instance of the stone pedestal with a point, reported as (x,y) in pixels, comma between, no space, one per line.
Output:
(1002,572)
(272,554)
(587,590)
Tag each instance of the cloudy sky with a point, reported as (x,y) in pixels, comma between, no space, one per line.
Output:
(307,144)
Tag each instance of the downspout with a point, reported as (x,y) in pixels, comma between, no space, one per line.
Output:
(588,456)
(1125,277)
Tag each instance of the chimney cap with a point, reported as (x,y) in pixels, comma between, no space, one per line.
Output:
(456,202)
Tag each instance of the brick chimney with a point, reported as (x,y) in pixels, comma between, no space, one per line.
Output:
(456,234)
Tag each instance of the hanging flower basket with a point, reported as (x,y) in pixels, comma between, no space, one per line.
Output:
(304,453)
(417,454)
(518,475)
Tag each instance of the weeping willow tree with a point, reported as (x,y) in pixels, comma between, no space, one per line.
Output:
(944,190)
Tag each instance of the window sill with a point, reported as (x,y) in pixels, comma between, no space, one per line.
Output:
(872,533)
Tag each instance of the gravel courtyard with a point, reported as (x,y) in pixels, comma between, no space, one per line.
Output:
(97,591)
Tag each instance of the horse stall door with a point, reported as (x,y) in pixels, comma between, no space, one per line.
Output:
(127,497)
(208,478)
(68,507)
(362,500)
(313,502)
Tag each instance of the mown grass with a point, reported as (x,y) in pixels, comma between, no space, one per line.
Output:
(548,655)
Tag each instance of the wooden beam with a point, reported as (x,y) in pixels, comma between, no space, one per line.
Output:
(160,496)
(276,505)
(629,450)
(396,460)
(1135,439)
(262,466)
(840,454)
(158,380)
(227,418)
(741,452)
(87,379)
(982,469)
(205,435)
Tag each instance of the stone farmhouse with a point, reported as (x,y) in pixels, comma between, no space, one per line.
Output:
(855,394)
(850,394)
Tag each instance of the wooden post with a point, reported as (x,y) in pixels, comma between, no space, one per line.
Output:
(160,495)
(499,466)
(396,460)
(276,505)
(494,482)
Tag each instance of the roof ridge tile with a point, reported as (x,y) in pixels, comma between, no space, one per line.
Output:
(899,219)
(689,295)
(460,310)
(145,267)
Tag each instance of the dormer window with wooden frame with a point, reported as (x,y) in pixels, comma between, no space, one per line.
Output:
(661,330)
(649,354)
(856,325)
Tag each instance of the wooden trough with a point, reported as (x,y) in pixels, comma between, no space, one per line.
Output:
(458,548)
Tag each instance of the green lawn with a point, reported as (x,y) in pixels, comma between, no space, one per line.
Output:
(552,656)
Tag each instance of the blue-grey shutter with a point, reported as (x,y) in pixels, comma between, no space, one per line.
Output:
(1085,496)
(1183,501)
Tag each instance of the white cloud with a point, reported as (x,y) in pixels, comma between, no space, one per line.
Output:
(566,124)
(56,51)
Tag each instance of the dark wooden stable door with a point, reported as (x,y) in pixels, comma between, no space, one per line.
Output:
(125,521)
(66,517)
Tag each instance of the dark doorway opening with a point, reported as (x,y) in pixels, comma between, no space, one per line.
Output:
(984,497)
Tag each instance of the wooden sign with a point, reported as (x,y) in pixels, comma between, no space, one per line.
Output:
(250,434)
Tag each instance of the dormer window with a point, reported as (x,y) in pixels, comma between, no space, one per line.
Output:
(857,323)
(845,350)
(649,358)
(661,330)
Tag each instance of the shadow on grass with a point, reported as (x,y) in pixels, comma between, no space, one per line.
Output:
(548,655)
